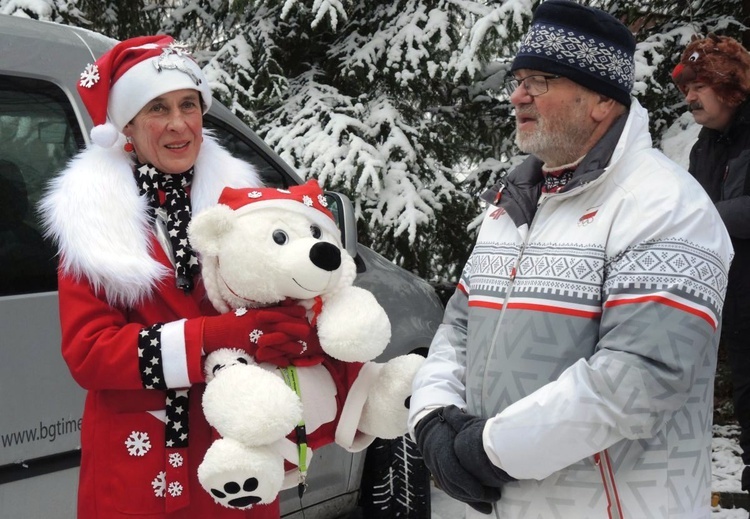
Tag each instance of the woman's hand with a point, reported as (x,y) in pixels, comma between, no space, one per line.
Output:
(251,329)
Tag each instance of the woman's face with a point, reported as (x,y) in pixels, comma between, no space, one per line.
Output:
(167,132)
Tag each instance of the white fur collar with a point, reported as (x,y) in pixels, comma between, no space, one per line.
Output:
(100,223)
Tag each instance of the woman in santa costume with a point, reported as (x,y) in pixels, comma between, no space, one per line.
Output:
(136,324)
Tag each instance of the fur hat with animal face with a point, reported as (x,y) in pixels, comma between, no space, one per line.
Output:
(720,62)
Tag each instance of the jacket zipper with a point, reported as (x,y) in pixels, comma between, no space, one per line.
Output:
(513,273)
(511,280)
(614,508)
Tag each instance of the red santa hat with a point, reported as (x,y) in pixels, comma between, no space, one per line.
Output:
(307,199)
(132,73)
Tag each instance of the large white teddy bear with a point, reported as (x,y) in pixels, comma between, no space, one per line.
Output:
(263,246)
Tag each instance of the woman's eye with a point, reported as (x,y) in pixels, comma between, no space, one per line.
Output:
(315,231)
(280,237)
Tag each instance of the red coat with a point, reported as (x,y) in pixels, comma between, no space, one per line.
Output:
(113,282)
(119,477)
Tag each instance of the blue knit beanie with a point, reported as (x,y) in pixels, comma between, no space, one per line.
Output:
(584,44)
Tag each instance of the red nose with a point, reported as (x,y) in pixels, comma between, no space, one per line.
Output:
(677,71)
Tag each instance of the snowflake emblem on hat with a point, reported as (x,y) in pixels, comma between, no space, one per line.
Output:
(322,200)
(254,194)
(175,489)
(307,201)
(240,311)
(255,336)
(90,76)
(138,443)
(159,484)
(176,460)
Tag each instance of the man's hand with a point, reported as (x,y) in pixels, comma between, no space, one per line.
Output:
(436,434)
(469,448)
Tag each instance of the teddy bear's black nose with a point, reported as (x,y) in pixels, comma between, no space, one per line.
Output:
(326,256)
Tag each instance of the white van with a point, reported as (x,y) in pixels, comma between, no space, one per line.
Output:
(42,125)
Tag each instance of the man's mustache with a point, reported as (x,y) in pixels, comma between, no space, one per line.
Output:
(695,106)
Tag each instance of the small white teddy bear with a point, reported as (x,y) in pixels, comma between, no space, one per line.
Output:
(259,247)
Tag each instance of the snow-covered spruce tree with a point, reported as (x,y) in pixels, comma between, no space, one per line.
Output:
(384,101)
(119,19)
(397,103)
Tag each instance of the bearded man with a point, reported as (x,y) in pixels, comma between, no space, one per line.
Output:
(573,373)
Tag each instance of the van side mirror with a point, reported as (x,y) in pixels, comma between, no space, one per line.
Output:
(343,213)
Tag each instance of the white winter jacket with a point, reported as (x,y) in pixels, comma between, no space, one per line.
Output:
(586,330)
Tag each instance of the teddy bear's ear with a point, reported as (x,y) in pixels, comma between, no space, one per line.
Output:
(207,228)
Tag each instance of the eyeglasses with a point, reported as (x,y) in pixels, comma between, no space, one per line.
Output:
(535,85)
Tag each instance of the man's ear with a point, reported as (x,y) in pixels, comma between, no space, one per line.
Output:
(208,227)
(606,108)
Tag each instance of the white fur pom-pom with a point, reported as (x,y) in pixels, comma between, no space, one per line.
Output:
(104,135)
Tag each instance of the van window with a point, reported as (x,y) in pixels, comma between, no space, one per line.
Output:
(271,173)
(38,134)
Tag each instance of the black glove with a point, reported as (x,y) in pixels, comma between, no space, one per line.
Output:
(469,448)
(746,478)
(435,439)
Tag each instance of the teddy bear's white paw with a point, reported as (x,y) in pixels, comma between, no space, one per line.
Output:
(352,326)
(251,405)
(386,409)
(237,476)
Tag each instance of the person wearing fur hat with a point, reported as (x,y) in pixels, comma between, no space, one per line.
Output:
(572,375)
(136,323)
(714,75)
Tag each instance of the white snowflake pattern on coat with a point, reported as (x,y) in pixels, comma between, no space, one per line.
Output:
(138,443)
(159,484)
(175,489)
(175,460)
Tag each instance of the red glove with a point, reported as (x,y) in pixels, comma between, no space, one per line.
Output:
(254,328)
(302,350)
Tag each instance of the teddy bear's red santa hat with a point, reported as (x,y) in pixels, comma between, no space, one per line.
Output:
(307,199)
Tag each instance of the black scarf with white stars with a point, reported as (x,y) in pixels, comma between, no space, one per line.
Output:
(151,182)
(177,420)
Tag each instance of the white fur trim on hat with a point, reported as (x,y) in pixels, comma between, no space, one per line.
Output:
(151,78)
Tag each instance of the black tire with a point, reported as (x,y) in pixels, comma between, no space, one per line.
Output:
(395,481)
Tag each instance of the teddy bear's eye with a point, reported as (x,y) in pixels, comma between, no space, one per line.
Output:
(315,231)
(280,237)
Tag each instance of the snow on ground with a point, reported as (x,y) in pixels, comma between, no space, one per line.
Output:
(727,468)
